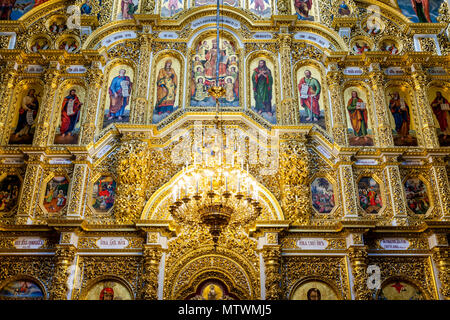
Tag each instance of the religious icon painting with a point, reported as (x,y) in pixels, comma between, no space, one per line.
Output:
(314,290)
(359,126)
(400,290)
(24,122)
(369,195)
(211,289)
(21,289)
(421,11)
(86,7)
(343,9)
(118,95)
(55,198)
(109,290)
(204,73)
(401,118)
(40,43)
(304,9)
(389,46)
(167,88)
(417,199)
(262,8)
(170,8)
(262,88)
(360,46)
(103,194)
(14,9)
(127,9)
(322,195)
(69,44)
(310,95)
(9,192)
(69,124)
(439,102)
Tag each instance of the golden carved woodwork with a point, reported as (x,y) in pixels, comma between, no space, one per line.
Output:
(138,155)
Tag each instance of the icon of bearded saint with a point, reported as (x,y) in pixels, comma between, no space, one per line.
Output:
(107,292)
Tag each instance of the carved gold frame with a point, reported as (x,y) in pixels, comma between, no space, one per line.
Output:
(383,194)
(403,278)
(414,117)
(369,106)
(90,190)
(3,175)
(316,278)
(21,276)
(201,35)
(43,188)
(336,193)
(324,91)
(104,95)
(153,78)
(430,194)
(14,105)
(57,103)
(105,277)
(264,54)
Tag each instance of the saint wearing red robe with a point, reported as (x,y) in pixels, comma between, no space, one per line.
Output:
(70,113)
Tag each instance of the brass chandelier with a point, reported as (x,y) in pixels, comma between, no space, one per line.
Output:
(216,192)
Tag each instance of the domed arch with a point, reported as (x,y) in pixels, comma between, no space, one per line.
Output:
(157,207)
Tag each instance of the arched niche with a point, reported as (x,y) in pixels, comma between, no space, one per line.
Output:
(263,85)
(201,71)
(359,113)
(107,287)
(402,113)
(314,288)
(24,111)
(157,207)
(22,287)
(118,93)
(68,111)
(439,97)
(401,288)
(311,93)
(167,84)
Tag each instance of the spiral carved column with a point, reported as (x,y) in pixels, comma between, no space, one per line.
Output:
(95,80)
(358,260)
(272,256)
(152,259)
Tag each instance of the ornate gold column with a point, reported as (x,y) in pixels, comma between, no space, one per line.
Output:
(395,188)
(152,259)
(293,175)
(348,189)
(288,113)
(358,261)
(441,258)
(140,111)
(334,81)
(8,80)
(51,79)
(65,254)
(423,104)
(272,256)
(80,179)
(30,187)
(94,80)
(133,175)
(383,127)
(440,177)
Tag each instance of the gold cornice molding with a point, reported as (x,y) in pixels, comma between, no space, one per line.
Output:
(424,28)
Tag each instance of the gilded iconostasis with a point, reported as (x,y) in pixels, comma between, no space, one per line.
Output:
(327,149)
